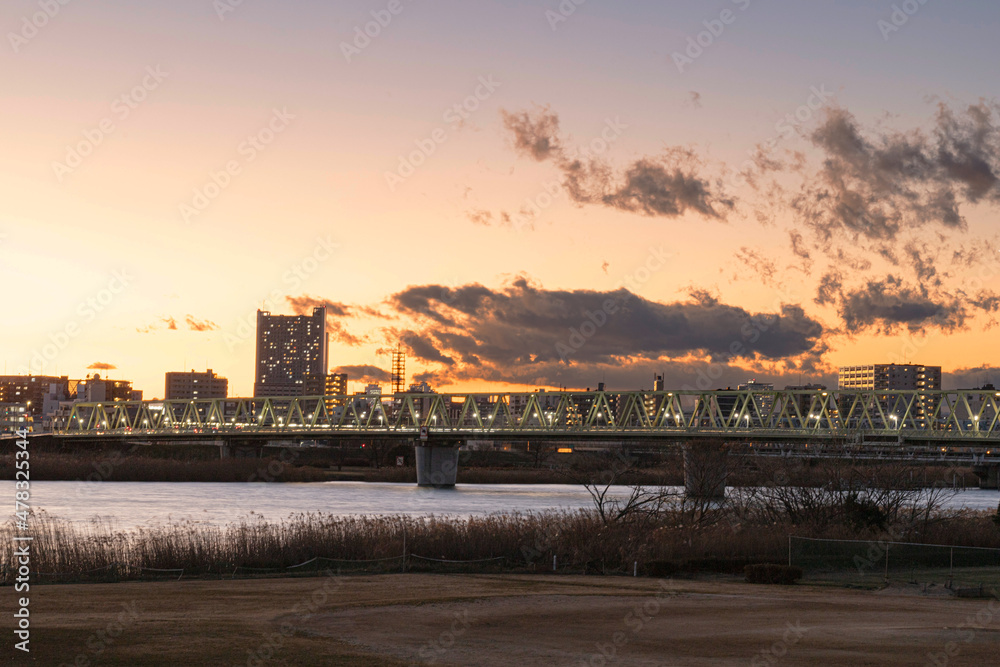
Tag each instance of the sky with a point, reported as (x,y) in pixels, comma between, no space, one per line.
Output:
(519,194)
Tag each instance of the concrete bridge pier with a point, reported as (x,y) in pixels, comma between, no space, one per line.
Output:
(706,470)
(437,464)
(988,474)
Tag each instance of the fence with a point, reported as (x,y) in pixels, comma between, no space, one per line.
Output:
(887,561)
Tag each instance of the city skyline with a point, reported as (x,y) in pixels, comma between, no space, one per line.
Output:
(544,199)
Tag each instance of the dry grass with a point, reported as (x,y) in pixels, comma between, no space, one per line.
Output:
(579,541)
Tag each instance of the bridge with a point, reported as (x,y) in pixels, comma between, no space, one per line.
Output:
(966,421)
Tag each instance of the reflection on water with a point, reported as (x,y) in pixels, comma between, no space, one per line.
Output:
(131,504)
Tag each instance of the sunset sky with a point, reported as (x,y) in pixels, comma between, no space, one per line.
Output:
(816,184)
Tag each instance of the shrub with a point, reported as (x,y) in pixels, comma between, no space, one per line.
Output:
(771,573)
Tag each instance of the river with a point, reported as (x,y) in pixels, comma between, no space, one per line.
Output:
(127,505)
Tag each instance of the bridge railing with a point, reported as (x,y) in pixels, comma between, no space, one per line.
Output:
(843,414)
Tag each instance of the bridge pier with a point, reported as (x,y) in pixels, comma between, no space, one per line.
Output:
(988,474)
(437,464)
(705,470)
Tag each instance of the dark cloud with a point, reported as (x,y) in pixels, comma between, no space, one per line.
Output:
(170,322)
(200,325)
(480,217)
(303,305)
(101,366)
(889,304)
(759,265)
(655,188)
(875,184)
(336,312)
(364,373)
(667,185)
(524,333)
(799,246)
(971,378)
(831,288)
(534,134)
(694,99)
(422,348)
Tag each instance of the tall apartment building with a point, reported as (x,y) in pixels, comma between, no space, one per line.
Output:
(289,349)
(32,389)
(890,377)
(193,385)
(894,377)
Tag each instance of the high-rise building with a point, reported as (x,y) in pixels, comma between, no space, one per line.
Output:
(289,349)
(194,385)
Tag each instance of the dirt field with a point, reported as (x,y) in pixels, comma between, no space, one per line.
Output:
(414,619)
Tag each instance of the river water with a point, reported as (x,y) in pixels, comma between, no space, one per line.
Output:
(127,505)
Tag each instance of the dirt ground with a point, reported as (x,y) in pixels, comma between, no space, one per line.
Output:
(494,620)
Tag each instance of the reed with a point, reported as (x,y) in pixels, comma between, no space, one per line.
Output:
(580,541)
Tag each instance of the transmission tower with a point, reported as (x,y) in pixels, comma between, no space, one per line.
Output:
(398,371)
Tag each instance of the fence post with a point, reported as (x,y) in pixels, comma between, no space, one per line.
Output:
(887,544)
(553,562)
(951,565)
(789,551)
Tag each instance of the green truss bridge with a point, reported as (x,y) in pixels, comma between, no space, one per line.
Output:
(918,425)
(966,417)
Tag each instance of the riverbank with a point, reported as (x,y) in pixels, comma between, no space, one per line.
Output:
(498,620)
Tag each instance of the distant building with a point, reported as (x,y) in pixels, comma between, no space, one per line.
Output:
(14,417)
(194,385)
(764,402)
(890,377)
(810,405)
(97,390)
(653,404)
(331,384)
(290,348)
(32,389)
(893,377)
(980,412)
(421,402)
